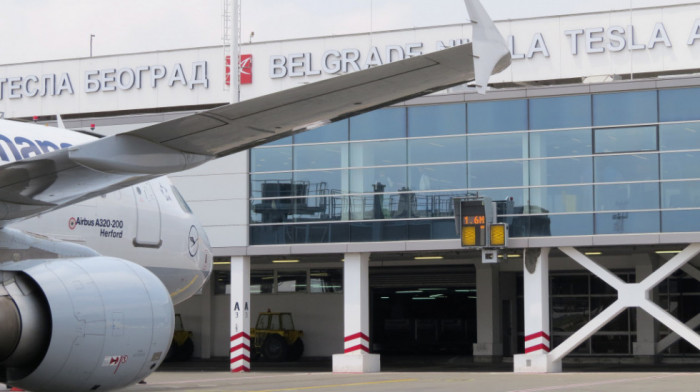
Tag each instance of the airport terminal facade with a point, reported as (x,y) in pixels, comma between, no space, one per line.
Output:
(590,140)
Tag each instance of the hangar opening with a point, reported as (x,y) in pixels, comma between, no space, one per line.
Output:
(423,310)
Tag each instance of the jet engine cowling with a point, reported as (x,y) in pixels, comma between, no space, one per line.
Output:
(83,324)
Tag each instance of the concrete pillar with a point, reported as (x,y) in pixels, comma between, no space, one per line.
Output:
(240,314)
(356,358)
(644,348)
(536,312)
(488,346)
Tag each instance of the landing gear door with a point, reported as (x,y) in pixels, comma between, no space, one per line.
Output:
(147,217)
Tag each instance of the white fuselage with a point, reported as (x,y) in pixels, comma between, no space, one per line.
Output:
(148,223)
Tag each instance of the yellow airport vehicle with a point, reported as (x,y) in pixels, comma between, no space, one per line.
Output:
(275,339)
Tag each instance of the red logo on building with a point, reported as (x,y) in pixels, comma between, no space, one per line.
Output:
(245,67)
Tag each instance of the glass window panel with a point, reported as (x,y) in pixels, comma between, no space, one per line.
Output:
(569,285)
(513,197)
(267,235)
(437,120)
(680,194)
(291,281)
(222,280)
(560,112)
(379,124)
(320,156)
(562,199)
(261,282)
(497,116)
(437,177)
(529,226)
(578,224)
(581,349)
(271,159)
(384,206)
(497,174)
(627,196)
(431,229)
(340,232)
(561,171)
(619,323)
(430,204)
(611,344)
(679,136)
(680,165)
(679,104)
(560,143)
(333,132)
(378,231)
(625,139)
(569,314)
(617,168)
(434,150)
(326,280)
(259,184)
(492,147)
(272,210)
(636,107)
(378,179)
(680,221)
(598,286)
(310,233)
(322,182)
(315,209)
(389,152)
(627,222)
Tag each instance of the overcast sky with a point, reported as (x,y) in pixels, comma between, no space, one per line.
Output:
(52,29)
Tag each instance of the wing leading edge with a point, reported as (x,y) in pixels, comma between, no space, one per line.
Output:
(59,178)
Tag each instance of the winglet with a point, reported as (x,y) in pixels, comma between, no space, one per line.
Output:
(59,122)
(491,54)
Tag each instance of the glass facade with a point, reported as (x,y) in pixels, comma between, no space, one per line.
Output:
(609,163)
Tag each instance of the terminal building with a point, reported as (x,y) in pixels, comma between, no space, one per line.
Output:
(587,145)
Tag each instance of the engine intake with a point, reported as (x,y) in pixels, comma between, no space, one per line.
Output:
(84,324)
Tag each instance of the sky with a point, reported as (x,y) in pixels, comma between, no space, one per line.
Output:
(39,30)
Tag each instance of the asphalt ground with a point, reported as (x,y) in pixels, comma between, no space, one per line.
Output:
(389,381)
(431,374)
(408,374)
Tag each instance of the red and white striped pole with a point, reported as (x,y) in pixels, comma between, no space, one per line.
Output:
(356,357)
(240,314)
(536,304)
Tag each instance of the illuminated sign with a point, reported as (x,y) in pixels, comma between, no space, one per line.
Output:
(473,218)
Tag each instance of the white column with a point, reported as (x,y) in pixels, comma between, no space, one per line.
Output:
(488,346)
(356,358)
(536,313)
(240,314)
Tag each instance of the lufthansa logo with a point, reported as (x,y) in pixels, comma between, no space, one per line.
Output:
(193,241)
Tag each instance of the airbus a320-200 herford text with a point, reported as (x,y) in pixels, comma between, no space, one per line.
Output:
(96,245)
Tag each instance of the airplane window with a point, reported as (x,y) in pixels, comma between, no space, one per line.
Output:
(181,200)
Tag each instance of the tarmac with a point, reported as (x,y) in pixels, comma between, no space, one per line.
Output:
(430,374)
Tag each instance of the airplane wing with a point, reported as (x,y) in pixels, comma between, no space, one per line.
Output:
(59,178)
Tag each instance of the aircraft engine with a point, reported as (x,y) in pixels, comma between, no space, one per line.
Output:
(82,324)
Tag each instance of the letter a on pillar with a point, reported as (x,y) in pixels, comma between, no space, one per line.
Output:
(240,314)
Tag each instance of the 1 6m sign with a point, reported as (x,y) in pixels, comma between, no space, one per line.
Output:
(245,66)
